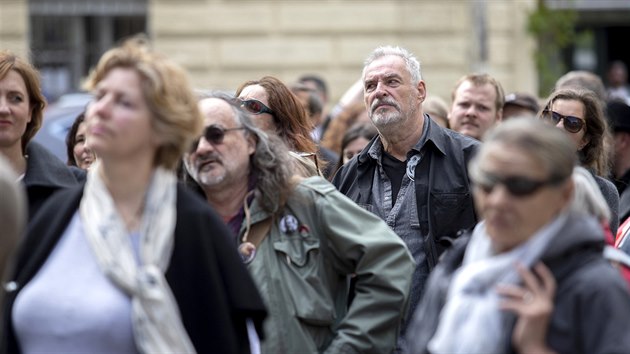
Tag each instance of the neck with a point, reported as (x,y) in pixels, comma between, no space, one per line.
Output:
(397,142)
(227,201)
(16,157)
(127,183)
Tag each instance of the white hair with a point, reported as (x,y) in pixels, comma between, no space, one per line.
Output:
(411,62)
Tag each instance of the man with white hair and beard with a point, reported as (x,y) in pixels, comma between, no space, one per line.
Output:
(413,173)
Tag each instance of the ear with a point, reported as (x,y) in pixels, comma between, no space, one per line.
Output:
(499,115)
(422,91)
(251,144)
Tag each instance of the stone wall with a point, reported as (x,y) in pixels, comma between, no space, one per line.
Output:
(14,26)
(226,42)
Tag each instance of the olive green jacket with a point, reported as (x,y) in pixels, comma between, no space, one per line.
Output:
(302,269)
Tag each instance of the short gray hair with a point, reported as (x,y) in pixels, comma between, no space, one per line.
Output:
(545,143)
(411,62)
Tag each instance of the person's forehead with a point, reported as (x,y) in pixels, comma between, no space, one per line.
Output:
(386,66)
(476,93)
(14,81)
(217,111)
(254,91)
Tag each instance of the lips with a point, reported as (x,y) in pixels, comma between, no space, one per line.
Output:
(378,104)
(206,164)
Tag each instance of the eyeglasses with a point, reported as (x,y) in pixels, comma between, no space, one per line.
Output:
(571,124)
(517,186)
(255,106)
(213,134)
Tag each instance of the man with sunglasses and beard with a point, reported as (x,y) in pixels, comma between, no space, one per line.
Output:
(301,240)
(413,173)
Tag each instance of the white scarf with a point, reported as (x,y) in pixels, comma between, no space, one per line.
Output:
(471,321)
(156,320)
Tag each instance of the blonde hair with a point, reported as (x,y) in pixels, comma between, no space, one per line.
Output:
(167,91)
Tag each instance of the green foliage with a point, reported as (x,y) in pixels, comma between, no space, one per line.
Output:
(554,31)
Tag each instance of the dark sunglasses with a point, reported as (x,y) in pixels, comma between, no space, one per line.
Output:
(571,124)
(213,134)
(517,186)
(255,106)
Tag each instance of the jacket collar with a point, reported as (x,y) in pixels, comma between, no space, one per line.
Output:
(436,138)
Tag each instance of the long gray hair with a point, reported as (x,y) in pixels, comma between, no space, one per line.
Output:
(271,165)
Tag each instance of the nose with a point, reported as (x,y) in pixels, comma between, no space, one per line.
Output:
(4,107)
(560,124)
(499,195)
(203,146)
(99,107)
(380,90)
(471,111)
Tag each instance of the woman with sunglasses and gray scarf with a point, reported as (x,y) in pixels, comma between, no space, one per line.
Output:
(531,277)
(580,114)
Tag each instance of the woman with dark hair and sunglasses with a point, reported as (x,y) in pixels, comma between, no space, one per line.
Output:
(530,277)
(276,109)
(579,113)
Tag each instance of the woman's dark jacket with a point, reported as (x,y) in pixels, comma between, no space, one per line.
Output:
(211,285)
(592,304)
(45,175)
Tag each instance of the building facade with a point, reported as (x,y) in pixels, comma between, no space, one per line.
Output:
(226,42)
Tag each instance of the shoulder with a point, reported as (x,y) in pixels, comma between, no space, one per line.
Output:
(193,210)
(315,185)
(607,187)
(45,169)
(449,139)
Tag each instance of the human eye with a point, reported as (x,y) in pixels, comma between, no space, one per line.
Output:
(16,98)
(369,86)
(393,82)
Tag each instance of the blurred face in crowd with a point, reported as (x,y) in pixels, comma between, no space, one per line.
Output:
(474,109)
(15,110)
(83,155)
(389,95)
(119,120)
(513,216)
(221,157)
(264,121)
(353,148)
(572,108)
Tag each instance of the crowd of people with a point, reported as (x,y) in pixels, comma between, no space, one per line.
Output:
(261,221)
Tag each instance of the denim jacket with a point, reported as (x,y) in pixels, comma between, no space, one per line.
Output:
(302,269)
